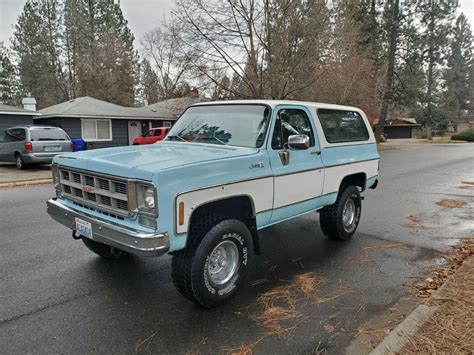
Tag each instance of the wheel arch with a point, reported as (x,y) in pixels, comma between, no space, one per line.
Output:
(357,179)
(241,207)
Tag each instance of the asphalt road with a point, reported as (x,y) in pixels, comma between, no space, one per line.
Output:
(57,297)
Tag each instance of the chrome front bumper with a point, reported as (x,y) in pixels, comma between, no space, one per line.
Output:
(126,239)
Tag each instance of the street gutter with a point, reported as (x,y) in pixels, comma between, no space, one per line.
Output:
(6,185)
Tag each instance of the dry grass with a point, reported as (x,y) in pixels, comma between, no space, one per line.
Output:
(277,312)
(244,349)
(277,308)
(338,293)
(385,147)
(416,222)
(450,329)
(451,203)
(387,245)
(467,182)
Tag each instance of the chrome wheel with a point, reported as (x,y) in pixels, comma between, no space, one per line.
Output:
(348,215)
(223,262)
(19,162)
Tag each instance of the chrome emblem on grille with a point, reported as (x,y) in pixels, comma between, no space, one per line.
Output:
(88,189)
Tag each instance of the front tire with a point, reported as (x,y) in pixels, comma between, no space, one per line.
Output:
(104,250)
(340,220)
(214,265)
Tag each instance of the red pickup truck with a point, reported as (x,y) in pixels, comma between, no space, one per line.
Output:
(152,136)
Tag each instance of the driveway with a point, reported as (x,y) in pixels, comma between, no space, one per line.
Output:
(9,173)
(57,297)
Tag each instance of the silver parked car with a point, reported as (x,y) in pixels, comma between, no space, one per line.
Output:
(25,145)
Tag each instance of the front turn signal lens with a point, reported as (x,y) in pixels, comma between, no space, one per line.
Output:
(181,213)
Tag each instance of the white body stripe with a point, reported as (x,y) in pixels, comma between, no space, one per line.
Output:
(294,188)
(260,190)
(289,189)
(335,174)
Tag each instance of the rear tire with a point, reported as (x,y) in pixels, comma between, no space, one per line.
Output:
(104,250)
(340,220)
(214,265)
(19,162)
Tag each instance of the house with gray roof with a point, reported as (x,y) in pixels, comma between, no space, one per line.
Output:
(175,107)
(103,124)
(15,116)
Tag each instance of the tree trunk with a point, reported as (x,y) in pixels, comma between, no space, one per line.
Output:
(429,90)
(388,91)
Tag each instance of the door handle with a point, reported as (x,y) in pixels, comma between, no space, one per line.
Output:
(316,152)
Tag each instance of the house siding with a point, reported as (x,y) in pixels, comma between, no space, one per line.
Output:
(7,121)
(72,126)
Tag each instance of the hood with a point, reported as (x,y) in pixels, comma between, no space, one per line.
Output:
(142,161)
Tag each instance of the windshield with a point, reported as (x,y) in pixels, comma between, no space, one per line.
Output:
(235,125)
(48,134)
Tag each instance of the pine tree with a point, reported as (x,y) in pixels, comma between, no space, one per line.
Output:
(148,80)
(104,61)
(7,79)
(34,45)
(459,74)
(436,19)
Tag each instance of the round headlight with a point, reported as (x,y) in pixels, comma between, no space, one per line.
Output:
(149,198)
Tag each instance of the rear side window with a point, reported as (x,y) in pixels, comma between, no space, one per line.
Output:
(343,126)
(15,135)
(48,134)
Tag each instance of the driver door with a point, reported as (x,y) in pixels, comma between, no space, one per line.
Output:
(298,180)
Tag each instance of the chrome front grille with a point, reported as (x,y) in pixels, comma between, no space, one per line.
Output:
(104,193)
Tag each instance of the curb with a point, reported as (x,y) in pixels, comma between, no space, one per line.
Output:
(6,185)
(400,336)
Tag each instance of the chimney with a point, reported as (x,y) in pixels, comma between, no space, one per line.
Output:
(29,103)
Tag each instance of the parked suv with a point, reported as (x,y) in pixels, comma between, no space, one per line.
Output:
(32,144)
(225,171)
(152,136)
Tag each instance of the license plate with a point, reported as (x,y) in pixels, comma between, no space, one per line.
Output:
(52,148)
(83,228)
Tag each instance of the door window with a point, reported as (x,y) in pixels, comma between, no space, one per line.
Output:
(158,132)
(149,133)
(290,122)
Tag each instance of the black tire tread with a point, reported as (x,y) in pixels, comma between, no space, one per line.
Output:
(181,262)
(328,217)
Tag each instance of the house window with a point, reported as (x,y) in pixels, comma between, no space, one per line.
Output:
(96,130)
(166,124)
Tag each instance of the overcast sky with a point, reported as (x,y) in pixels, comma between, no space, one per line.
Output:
(142,15)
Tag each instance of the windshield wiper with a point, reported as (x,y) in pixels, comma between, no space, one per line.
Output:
(177,136)
(214,138)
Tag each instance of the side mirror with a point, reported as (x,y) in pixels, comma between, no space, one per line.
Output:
(299,142)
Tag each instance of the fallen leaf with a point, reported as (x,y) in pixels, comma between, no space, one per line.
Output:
(328,328)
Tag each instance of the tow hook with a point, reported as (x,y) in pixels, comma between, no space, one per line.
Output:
(76,235)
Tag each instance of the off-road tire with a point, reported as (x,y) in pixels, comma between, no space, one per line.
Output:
(19,162)
(190,266)
(330,217)
(104,250)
